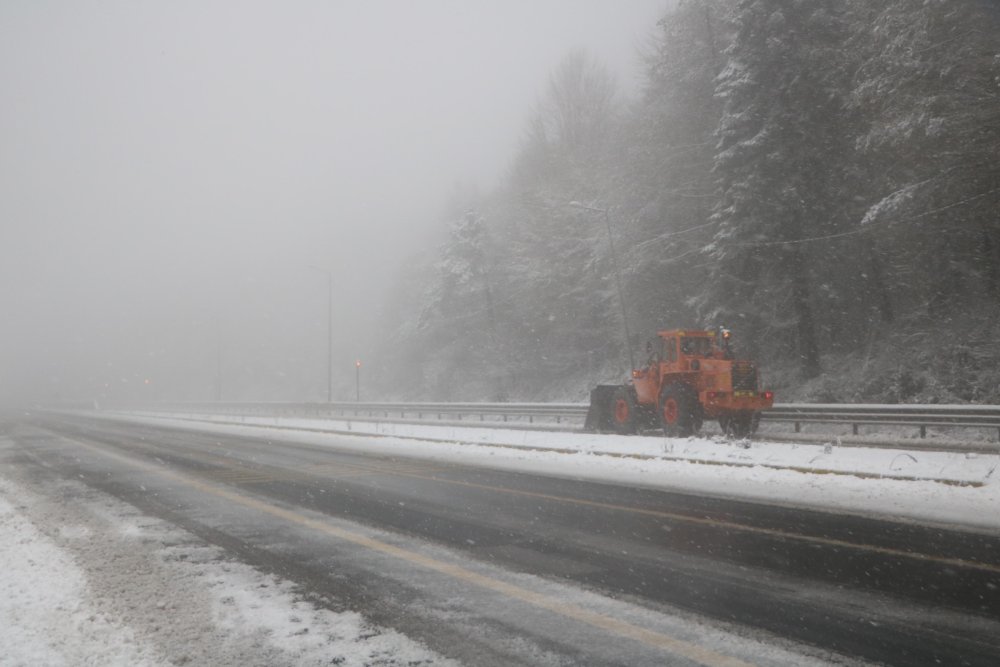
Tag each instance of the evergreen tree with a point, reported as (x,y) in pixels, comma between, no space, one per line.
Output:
(459,323)
(928,87)
(563,282)
(668,186)
(782,97)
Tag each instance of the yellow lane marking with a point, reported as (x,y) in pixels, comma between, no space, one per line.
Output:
(238,477)
(722,523)
(652,638)
(240,474)
(236,471)
(375,469)
(235,477)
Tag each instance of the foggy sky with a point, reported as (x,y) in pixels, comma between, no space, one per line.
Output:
(169,172)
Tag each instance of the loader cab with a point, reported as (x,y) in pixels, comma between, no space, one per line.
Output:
(686,346)
(670,349)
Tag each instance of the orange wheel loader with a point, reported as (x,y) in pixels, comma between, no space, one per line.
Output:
(690,376)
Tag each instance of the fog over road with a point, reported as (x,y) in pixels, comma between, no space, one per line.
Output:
(171,171)
(494,567)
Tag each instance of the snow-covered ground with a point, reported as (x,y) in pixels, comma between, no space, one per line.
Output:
(86,579)
(947,488)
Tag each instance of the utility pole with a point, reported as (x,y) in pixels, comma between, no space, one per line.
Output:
(618,277)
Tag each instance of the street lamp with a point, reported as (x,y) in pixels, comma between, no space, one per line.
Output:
(329,332)
(357,381)
(618,276)
(218,370)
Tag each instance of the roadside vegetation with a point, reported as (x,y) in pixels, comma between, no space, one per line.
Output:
(821,177)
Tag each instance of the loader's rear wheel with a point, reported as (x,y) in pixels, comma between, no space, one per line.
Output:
(677,411)
(740,425)
(623,411)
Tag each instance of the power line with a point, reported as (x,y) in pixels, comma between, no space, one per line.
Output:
(867,227)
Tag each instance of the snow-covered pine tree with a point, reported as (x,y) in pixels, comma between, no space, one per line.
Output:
(458,322)
(668,186)
(566,316)
(928,89)
(782,97)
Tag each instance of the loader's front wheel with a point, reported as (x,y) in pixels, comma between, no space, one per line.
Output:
(677,411)
(623,411)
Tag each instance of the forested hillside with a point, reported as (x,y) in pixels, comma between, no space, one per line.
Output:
(822,177)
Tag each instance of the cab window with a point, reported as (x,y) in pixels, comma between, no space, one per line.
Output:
(696,346)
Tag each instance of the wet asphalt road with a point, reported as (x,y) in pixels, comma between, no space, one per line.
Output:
(887,592)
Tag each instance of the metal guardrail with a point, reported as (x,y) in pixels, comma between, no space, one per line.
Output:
(918,416)
(572,414)
(559,413)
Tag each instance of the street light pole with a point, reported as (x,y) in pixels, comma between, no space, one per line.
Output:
(329,332)
(618,276)
(357,381)
(218,372)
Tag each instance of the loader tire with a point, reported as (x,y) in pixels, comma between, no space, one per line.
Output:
(624,412)
(678,411)
(740,425)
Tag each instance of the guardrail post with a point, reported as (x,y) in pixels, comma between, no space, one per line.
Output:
(923,431)
(798,427)
(854,429)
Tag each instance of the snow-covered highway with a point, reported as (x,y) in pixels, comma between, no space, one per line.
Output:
(485,554)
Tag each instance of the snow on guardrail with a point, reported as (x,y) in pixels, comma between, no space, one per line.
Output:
(570,416)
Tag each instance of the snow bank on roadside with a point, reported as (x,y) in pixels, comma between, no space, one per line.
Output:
(880,482)
(822,458)
(87,579)
(45,616)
